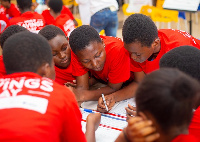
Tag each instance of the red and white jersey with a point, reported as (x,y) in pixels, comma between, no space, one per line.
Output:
(32,21)
(64,22)
(37,109)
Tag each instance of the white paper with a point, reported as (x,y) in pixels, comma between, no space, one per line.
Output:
(185,5)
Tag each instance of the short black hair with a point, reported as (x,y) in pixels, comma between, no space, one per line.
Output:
(139,28)
(11,30)
(168,94)
(55,5)
(26,52)
(82,37)
(7,0)
(184,58)
(51,31)
(24,4)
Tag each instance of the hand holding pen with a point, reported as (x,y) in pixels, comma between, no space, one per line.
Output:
(105,101)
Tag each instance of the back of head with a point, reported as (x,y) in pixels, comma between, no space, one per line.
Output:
(24,4)
(139,28)
(51,31)
(168,95)
(184,58)
(82,37)
(11,30)
(26,52)
(55,5)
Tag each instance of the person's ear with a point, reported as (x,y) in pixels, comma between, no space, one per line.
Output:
(156,43)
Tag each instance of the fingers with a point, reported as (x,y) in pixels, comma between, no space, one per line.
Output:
(143,115)
(101,103)
(139,124)
(129,112)
(152,137)
(132,107)
(68,84)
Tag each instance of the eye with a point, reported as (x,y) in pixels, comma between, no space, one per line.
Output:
(64,48)
(98,55)
(86,61)
(54,54)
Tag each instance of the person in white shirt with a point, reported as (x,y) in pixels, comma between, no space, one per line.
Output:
(103,15)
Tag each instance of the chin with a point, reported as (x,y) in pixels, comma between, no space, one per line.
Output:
(63,66)
(99,69)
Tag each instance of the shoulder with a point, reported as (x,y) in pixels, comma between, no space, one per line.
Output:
(15,20)
(45,12)
(114,45)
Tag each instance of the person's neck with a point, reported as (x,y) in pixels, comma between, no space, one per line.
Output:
(24,10)
(55,15)
(8,5)
(174,132)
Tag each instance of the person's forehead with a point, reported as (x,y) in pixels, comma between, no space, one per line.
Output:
(91,50)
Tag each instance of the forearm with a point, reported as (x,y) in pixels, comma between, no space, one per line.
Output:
(126,92)
(121,138)
(94,95)
(92,81)
(90,133)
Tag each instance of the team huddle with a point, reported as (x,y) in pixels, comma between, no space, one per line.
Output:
(49,67)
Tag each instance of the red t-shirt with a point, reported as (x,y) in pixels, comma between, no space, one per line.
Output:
(49,19)
(36,109)
(4,22)
(117,65)
(32,21)
(64,75)
(194,128)
(2,67)
(184,138)
(169,39)
(64,22)
(12,11)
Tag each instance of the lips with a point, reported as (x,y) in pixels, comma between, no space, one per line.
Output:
(64,61)
(98,68)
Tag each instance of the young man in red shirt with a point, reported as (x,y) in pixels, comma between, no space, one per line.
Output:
(33,107)
(186,59)
(50,18)
(61,53)
(10,9)
(30,20)
(62,21)
(165,100)
(11,30)
(104,57)
(146,45)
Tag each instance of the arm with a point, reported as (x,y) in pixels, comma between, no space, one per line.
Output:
(75,22)
(84,94)
(138,129)
(123,94)
(71,119)
(92,124)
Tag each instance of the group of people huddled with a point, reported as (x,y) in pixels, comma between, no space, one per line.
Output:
(23,14)
(46,72)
